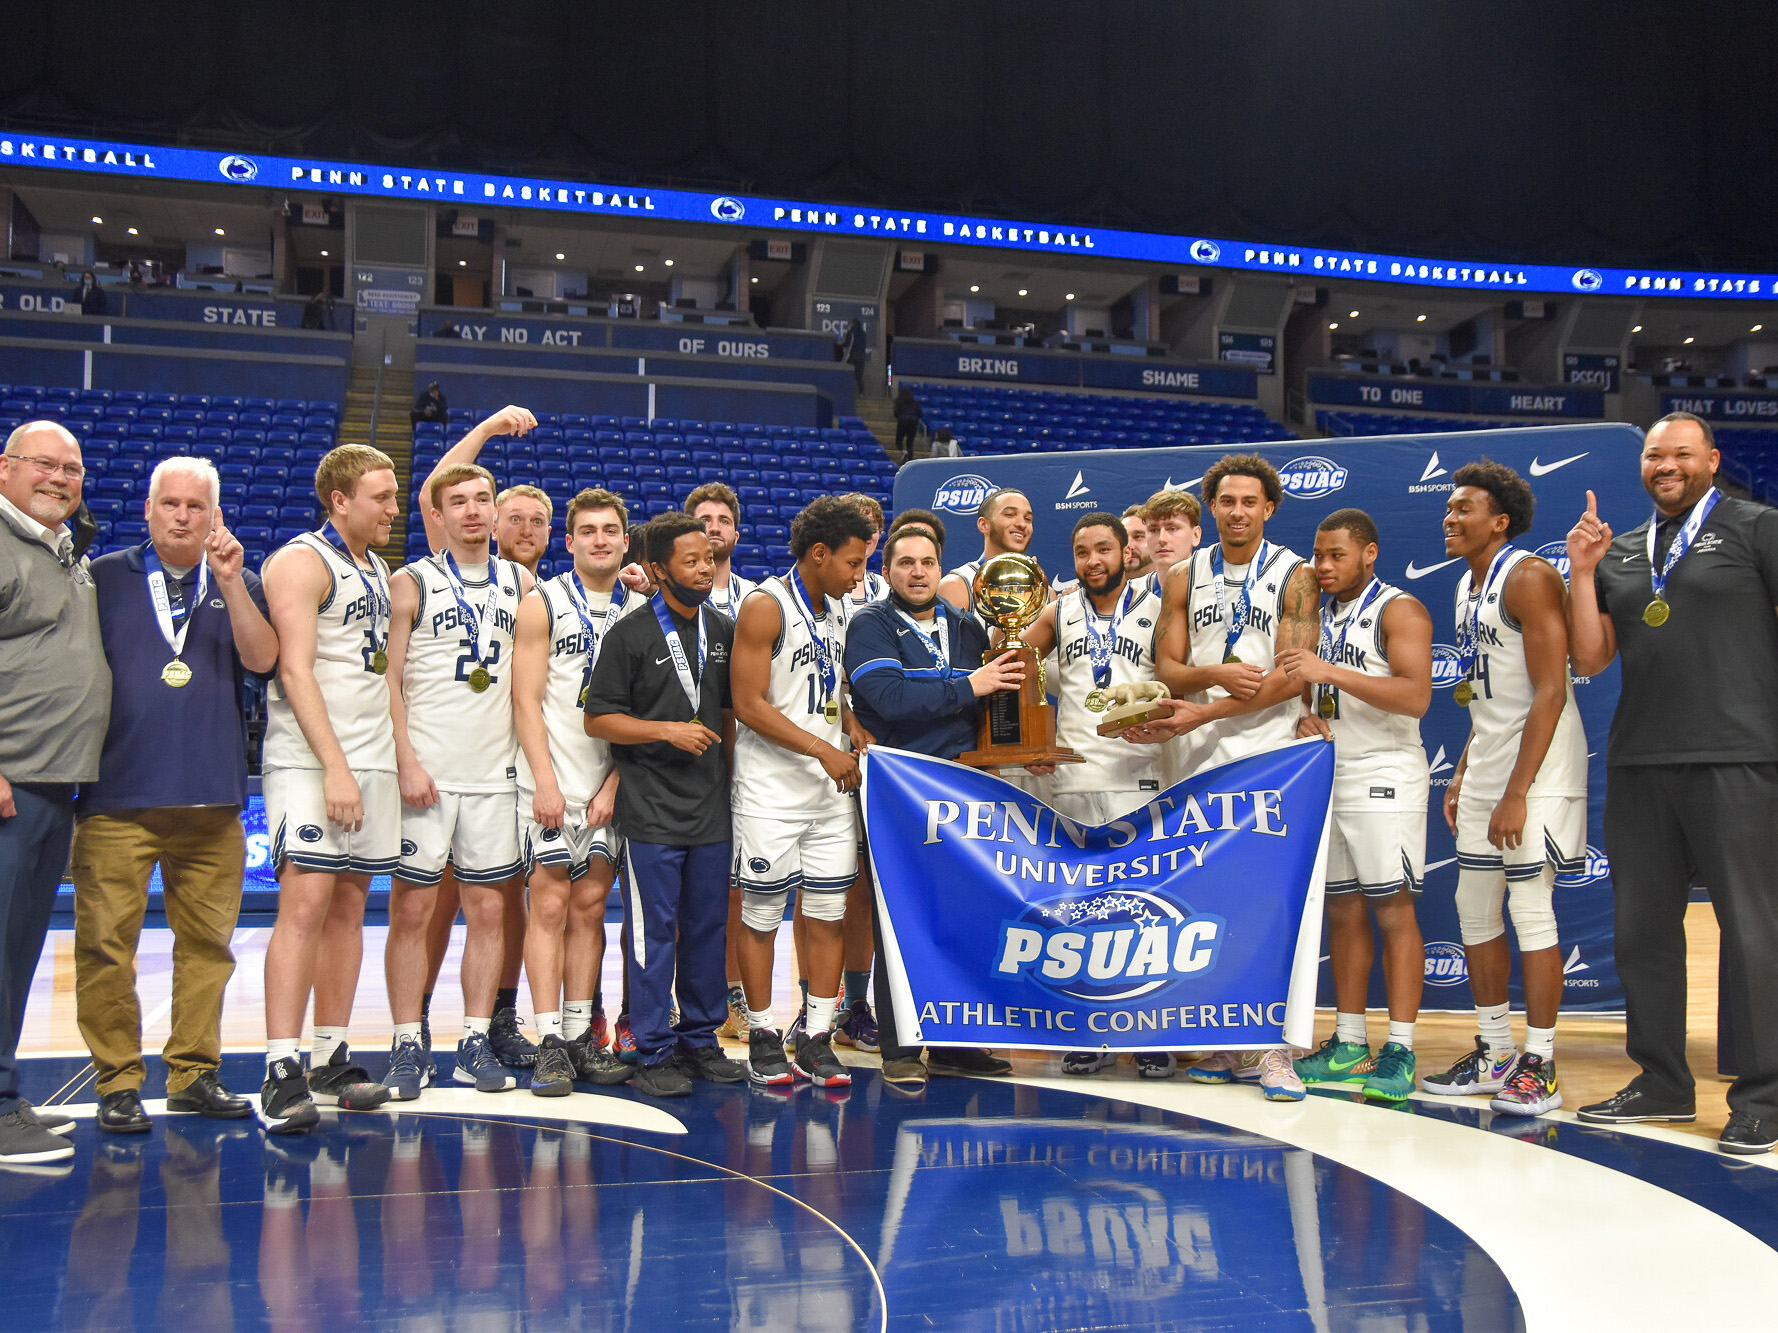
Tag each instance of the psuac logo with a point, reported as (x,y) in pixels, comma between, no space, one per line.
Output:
(1206,252)
(1311,477)
(726,208)
(1445,965)
(1557,554)
(1598,866)
(1587,280)
(1447,667)
(962,494)
(1109,946)
(237,168)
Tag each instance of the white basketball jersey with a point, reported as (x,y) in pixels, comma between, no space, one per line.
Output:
(580,761)
(464,738)
(1503,699)
(728,600)
(871,588)
(1251,733)
(967,573)
(357,698)
(1112,763)
(1374,751)
(770,780)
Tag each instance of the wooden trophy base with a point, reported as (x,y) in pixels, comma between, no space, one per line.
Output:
(1018,729)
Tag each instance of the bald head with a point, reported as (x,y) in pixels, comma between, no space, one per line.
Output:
(40,471)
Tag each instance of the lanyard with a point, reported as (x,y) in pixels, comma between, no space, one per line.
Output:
(732,598)
(473,617)
(1681,544)
(1332,650)
(677,649)
(595,637)
(1467,631)
(824,651)
(1101,647)
(1237,622)
(163,606)
(939,644)
(374,583)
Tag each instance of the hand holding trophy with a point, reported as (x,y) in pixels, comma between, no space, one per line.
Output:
(1018,727)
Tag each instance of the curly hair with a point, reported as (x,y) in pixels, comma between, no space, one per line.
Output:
(1510,493)
(1244,465)
(830,521)
(1355,521)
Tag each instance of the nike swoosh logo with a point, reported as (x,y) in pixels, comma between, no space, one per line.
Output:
(1415,572)
(662,661)
(1341,1066)
(1544,469)
(903,633)
(1440,865)
(1625,559)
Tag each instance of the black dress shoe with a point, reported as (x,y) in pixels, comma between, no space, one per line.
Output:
(205,1095)
(1748,1136)
(122,1113)
(1634,1107)
(958,1061)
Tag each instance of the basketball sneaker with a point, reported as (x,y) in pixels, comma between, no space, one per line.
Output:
(407,1070)
(857,1028)
(1531,1090)
(623,1041)
(1082,1063)
(735,1025)
(429,1061)
(766,1065)
(1336,1061)
(598,1032)
(345,1085)
(595,1063)
(1155,1064)
(794,1034)
(1277,1077)
(510,1046)
(478,1065)
(1217,1067)
(816,1062)
(552,1074)
(285,1106)
(1475,1074)
(1392,1074)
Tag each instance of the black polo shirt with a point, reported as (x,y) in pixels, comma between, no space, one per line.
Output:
(664,794)
(1702,688)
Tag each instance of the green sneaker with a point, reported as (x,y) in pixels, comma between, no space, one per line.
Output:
(1392,1080)
(1335,1062)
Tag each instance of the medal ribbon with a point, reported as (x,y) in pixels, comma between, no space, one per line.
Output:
(939,645)
(825,653)
(1467,633)
(1681,544)
(732,599)
(163,605)
(1237,622)
(473,617)
(1331,650)
(381,610)
(577,598)
(1101,647)
(677,648)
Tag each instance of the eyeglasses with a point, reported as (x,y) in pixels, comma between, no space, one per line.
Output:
(49,467)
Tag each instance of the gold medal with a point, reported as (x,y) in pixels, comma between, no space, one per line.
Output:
(1326,707)
(1464,694)
(479,679)
(830,710)
(176,674)
(379,662)
(1096,701)
(1230,657)
(1655,614)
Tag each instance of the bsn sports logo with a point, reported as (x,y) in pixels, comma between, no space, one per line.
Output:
(238,168)
(1597,867)
(1311,477)
(1111,946)
(962,494)
(1557,554)
(1447,667)
(1206,252)
(1445,965)
(725,208)
(1587,280)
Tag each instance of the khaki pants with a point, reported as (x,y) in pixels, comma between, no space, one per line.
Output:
(202,854)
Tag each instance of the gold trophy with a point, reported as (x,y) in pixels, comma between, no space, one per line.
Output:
(1018,727)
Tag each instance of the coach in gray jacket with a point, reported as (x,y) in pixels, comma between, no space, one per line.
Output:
(53,711)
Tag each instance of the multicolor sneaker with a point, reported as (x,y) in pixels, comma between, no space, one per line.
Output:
(1277,1077)
(1532,1088)
(552,1073)
(407,1070)
(594,1063)
(1475,1074)
(478,1065)
(285,1106)
(598,1033)
(1336,1061)
(816,1062)
(766,1065)
(1082,1063)
(1217,1067)
(1392,1074)
(857,1028)
(735,1025)
(1155,1064)
(623,1040)
(343,1084)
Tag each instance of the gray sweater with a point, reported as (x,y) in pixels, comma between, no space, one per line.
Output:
(55,686)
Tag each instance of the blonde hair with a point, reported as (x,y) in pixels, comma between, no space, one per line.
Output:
(455,475)
(527,491)
(1171,504)
(872,510)
(341,469)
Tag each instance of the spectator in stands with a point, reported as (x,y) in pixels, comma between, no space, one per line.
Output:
(429,405)
(178,805)
(314,313)
(91,296)
(854,350)
(137,280)
(58,696)
(944,444)
(907,420)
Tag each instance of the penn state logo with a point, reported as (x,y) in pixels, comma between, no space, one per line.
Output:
(1447,667)
(962,494)
(1445,965)
(1557,554)
(1117,945)
(237,168)
(725,208)
(1311,477)
(309,833)
(1206,252)
(551,834)
(1597,867)
(1587,280)
(1143,622)
(759,865)
(409,846)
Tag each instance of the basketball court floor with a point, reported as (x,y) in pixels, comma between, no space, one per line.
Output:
(1029,1203)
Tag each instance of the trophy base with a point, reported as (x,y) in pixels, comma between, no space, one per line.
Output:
(1019,756)
(1121,719)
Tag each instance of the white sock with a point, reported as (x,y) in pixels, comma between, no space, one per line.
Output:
(548,1150)
(761,1019)
(577,1018)
(325,1043)
(475,1026)
(1494,1023)
(1540,1041)
(821,1012)
(407,1030)
(475,1139)
(1350,1027)
(549,1025)
(280,1048)
(1402,1034)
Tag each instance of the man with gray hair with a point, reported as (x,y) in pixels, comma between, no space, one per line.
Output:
(57,697)
(182,623)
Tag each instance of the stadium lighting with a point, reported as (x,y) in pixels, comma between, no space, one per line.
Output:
(1689,340)
(134,232)
(1333,323)
(639,268)
(667,262)
(1756,328)
(1419,319)
(324,254)
(220,232)
(754,279)
(99,220)
(1023,292)
(462,263)
(974,287)
(1069,296)
(1637,329)
(1351,314)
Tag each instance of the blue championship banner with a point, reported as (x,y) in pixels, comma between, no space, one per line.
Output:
(1193,923)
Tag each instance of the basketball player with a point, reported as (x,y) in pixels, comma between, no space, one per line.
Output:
(1006,523)
(1137,561)
(1366,687)
(795,824)
(1173,521)
(1517,802)
(871,586)
(1226,614)
(332,802)
(1102,634)
(450,653)
(567,792)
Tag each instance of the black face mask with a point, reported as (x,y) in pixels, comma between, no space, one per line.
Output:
(692,597)
(913,608)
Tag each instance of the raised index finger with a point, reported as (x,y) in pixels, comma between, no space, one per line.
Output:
(1592,505)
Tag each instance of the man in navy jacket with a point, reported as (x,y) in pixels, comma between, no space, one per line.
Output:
(916,673)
